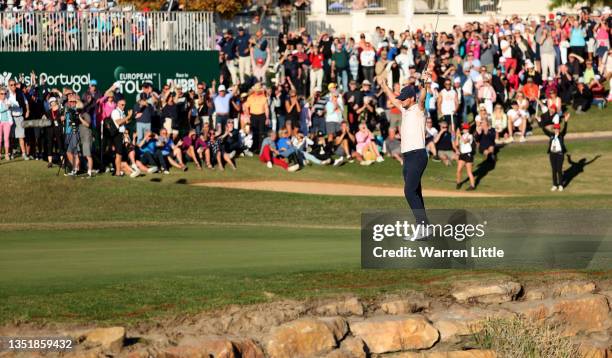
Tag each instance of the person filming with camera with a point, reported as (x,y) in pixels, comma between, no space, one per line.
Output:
(119,119)
(71,122)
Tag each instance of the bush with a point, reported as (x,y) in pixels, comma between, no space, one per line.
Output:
(517,337)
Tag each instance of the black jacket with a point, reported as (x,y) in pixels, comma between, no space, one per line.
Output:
(551,136)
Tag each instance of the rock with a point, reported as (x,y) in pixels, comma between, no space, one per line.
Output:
(384,334)
(337,326)
(346,307)
(486,292)
(573,288)
(196,347)
(354,347)
(535,294)
(595,345)
(246,321)
(338,353)
(458,321)
(108,338)
(247,348)
(305,337)
(403,306)
(473,353)
(581,313)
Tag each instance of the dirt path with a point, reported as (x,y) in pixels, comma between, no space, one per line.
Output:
(310,187)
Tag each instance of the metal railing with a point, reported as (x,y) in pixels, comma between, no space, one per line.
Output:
(106,31)
(431,6)
(480,6)
(371,6)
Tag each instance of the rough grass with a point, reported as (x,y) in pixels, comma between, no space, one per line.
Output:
(520,337)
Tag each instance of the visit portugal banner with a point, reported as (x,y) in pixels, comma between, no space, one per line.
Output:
(129,69)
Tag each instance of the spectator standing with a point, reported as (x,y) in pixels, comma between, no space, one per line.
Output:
(259,113)
(243,47)
(556,151)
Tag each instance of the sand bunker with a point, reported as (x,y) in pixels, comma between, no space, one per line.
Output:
(321,188)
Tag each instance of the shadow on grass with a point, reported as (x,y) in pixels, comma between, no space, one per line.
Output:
(576,168)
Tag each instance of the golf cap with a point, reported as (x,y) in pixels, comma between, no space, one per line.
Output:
(331,85)
(407,92)
(465,126)
(240,28)
(366,83)
(581,80)
(52,99)
(221,88)
(93,83)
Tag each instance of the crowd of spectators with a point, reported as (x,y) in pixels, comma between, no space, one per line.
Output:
(322,103)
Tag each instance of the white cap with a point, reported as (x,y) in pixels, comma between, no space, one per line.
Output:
(221,88)
(434,85)
(581,80)
(597,77)
(457,80)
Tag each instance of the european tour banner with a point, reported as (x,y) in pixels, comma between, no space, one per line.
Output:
(128,69)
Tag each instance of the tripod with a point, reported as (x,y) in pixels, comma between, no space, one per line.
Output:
(73,135)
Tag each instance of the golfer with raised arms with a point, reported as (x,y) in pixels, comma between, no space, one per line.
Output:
(412,133)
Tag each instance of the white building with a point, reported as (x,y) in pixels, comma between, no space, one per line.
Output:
(345,16)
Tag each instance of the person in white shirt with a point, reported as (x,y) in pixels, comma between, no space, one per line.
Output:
(412,132)
(367,58)
(448,103)
(517,119)
(464,147)
(119,119)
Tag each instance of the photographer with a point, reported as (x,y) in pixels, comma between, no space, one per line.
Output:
(71,134)
(119,119)
(144,113)
(85,135)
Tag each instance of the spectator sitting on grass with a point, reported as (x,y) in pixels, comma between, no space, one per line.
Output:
(517,119)
(343,141)
(288,151)
(269,154)
(321,148)
(499,121)
(151,159)
(583,98)
(231,142)
(365,146)
(303,144)
(485,137)
(246,140)
(129,156)
(444,145)
(598,91)
(215,146)
(170,152)
(201,148)
(187,145)
(392,145)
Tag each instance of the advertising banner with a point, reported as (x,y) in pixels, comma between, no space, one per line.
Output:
(128,69)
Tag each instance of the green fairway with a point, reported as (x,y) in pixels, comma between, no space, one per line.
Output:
(122,250)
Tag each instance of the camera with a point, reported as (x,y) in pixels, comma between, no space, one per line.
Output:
(72,116)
